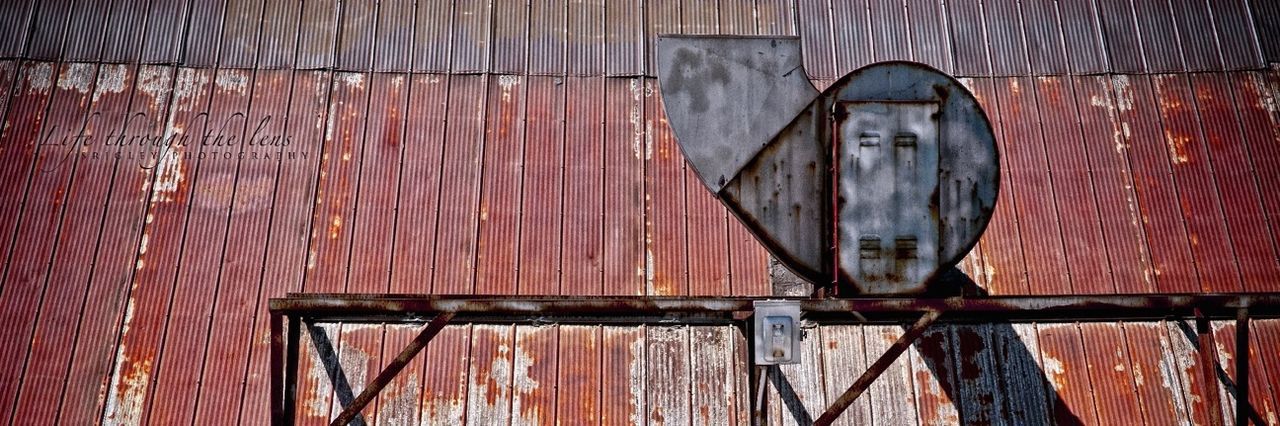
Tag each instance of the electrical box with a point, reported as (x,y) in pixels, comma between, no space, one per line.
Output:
(777,332)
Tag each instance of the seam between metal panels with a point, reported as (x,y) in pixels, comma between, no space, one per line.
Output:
(1173,179)
(1053,190)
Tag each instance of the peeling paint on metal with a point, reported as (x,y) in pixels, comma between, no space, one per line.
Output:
(1124,95)
(232,81)
(351,80)
(77,76)
(112,78)
(128,389)
(40,77)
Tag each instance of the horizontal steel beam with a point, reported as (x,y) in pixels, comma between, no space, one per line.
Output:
(641,309)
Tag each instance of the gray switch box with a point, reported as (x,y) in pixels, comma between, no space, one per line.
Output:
(777,332)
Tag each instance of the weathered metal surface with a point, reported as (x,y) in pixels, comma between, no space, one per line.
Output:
(624,37)
(1075,200)
(969,38)
(584,28)
(455,248)
(241,22)
(890,345)
(543,187)
(666,243)
(816,41)
(582,214)
(1117,20)
(1158,35)
(510,36)
(393,48)
(1005,37)
(316,35)
(712,85)
(379,182)
(1255,104)
(628,355)
(1087,51)
(547,34)
(844,353)
(930,35)
(852,37)
(1045,48)
(1109,368)
(497,252)
(1067,371)
(355,43)
(623,140)
(420,177)
(1199,199)
(891,31)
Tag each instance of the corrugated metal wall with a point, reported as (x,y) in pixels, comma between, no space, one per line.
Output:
(501,147)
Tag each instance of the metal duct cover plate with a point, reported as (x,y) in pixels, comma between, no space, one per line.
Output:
(773,151)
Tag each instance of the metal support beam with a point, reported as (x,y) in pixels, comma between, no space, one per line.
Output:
(1208,350)
(1243,409)
(371,390)
(876,369)
(758,408)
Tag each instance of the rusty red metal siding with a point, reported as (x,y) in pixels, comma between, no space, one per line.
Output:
(528,153)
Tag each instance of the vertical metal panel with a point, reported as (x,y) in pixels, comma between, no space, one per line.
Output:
(1124,45)
(585,24)
(969,34)
(166,31)
(17,16)
(335,198)
(775,17)
(698,19)
(1198,195)
(579,376)
(489,386)
(137,355)
(889,32)
(713,377)
(666,248)
(317,27)
(1108,154)
(708,237)
(1004,30)
(1022,373)
(498,248)
(737,17)
(816,38)
(543,188)
(401,401)
(379,182)
(851,32)
(624,261)
(84,32)
(533,395)
(205,33)
(471,36)
(359,20)
(624,38)
(125,26)
(1261,406)
(547,37)
(105,290)
(624,371)
(1074,194)
(1162,220)
(930,35)
(278,40)
(45,232)
(1160,389)
(1110,373)
(49,27)
(580,262)
(242,23)
(1068,372)
(1086,52)
(1159,35)
(796,391)
(1267,16)
(393,38)
(459,196)
(232,326)
(843,358)
(667,372)
(444,392)
(212,190)
(1028,164)
(313,406)
(420,176)
(660,17)
(359,349)
(892,396)
(1194,27)
(432,36)
(978,393)
(1264,348)
(1237,33)
(1259,124)
(933,372)
(1241,202)
(1045,48)
(748,262)
(1004,265)
(510,36)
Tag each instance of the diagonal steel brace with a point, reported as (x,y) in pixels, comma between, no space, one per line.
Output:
(371,391)
(876,369)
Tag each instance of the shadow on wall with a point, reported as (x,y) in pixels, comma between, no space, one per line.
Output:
(985,369)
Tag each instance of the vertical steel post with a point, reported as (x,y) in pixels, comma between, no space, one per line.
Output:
(1243,408)
(277,381)
(1208,367)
